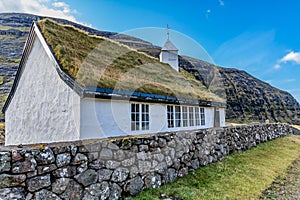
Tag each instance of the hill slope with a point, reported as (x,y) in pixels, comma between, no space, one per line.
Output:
(248,99)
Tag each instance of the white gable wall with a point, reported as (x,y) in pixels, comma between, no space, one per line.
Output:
(44,108)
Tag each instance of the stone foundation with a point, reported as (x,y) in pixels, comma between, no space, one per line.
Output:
(120,167)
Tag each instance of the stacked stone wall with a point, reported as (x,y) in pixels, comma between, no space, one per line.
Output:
(120,167)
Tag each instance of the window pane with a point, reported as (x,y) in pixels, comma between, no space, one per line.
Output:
(170,116)
(202,115)
(191,116)
(197,116)
(184,116)
(177,116)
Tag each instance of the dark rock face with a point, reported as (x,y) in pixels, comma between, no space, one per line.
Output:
(248,98)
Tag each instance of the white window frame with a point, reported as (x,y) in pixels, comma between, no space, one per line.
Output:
(141,119)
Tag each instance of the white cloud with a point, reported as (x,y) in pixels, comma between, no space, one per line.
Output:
(221,2)
(39,7)
(277,66)
(63,5)
(291,57)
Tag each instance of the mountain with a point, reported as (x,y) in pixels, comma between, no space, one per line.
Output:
(248,98)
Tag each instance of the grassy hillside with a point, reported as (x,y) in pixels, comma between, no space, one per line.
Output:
(100,62)
(241,176)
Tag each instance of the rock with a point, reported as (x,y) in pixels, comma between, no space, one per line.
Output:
(119,155)
(28,165)
(152,180)
(104,174)
(46,168)
(45,157)
(182,172)
(60,185)
(144,166)
(105,154)
(143,148)
(46,195)
(63,172)
(16,193)
(83,167)
(96,164)
(100,190)
(63,159)
(134,186)
(31,174)
(73,150)
(87,196)
(29,196)
(7,180)
(170,175)
(38,182)
(16,156)
(73,191)
(79,159)
(88,177)
(162,142)
(115,192)
(4,161)
(128,162)
(112,164)
(120,175)
(195,164)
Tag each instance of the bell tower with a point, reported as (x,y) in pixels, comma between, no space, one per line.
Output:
(169,53)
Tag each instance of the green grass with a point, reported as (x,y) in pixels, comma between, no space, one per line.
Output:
(5,28)
(240,176)
(9,61)
(100,62)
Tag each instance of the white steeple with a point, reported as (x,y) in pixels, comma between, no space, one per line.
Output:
(169,53)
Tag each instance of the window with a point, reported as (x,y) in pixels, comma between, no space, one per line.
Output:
(170,115)
(145,116)
(191,116)
(202,116)
(174,116)
(197,116)
(139,117)
(184,116)
(177,116)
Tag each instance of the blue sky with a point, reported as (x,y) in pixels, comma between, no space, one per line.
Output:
(260,37)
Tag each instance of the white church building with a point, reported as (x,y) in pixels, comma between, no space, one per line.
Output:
(46,104)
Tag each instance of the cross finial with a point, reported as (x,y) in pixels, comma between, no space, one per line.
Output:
(167,30)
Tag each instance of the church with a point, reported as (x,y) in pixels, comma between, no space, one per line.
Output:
(73,86)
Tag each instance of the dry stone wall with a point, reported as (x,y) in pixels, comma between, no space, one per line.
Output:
(120,167)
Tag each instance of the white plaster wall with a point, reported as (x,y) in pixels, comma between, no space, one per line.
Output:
(106,118)
(170,58)
(222,117)
(209,117)
(43,109)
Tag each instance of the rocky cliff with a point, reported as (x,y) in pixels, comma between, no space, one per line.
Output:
(248,99)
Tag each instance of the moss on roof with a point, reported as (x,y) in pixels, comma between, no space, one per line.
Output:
(100,62)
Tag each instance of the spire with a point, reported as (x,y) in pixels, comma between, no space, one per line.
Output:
(167,30)
(169,53)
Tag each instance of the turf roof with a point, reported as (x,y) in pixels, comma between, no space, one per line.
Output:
(100,62)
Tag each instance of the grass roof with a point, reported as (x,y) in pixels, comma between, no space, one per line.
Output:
(100,62)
